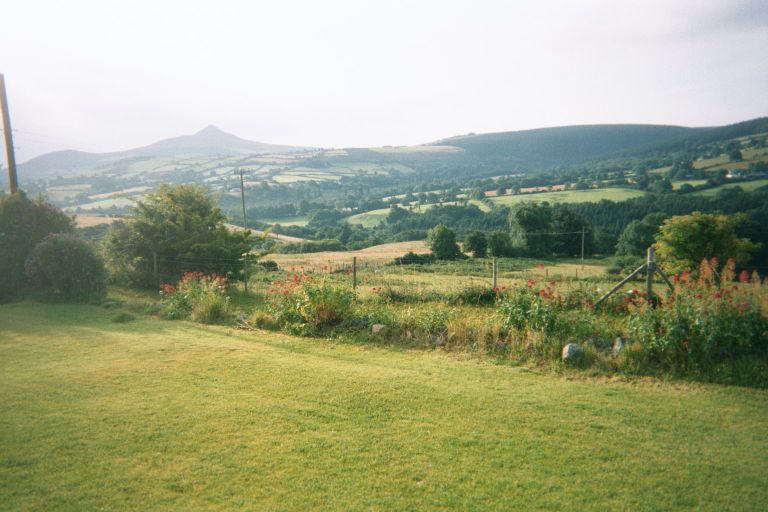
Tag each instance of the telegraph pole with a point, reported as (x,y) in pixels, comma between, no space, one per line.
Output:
(13,181)
(245,226)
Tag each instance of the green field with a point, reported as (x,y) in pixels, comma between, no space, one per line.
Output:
(694,183)
(572,196)
(746,185)
(165,415)
(369,219)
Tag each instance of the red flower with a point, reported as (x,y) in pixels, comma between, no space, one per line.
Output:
(744,276)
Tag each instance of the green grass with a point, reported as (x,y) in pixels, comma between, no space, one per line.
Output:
(369,219)
(572,196)
(746,185)
(154,414)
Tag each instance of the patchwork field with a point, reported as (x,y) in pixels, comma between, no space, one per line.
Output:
(572,196)
(155,414)
(376,255)
(746,185)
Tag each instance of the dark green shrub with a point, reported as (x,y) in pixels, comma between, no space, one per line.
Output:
(123,318)
(23,224)
(308,246)
(476,296)
(411,258)
(268,265)
(68,269)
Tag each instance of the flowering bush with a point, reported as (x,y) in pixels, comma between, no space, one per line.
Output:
(709,327)
(305,305)
(527,309)
(199,297)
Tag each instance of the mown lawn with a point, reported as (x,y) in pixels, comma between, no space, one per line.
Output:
(164,415)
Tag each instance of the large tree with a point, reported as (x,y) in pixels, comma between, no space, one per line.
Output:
(442,242)
(530,226)
(685,240)
(174,230)
(567,227)
(477,244)
(639,235)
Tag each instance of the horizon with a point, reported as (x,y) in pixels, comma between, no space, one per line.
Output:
(346,75)
(447,138)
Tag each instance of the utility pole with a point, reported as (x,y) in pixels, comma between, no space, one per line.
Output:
(582,247)
(245,226)
(13,181)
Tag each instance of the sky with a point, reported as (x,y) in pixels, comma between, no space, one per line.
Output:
(111,75)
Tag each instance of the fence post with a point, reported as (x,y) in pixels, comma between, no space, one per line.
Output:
(495,271)
(354,272)
(650,268)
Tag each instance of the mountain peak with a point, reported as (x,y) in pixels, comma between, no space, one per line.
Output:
(210,130)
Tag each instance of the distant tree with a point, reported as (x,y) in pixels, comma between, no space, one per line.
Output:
(581,185)
(684,241)
(396,213)
(442,242)
(733,150)
(501,191)
(499,244)
(477,244)
(569,225)
(660,186)
(178,229)
(477,194)
(529,224)
(639,235)
(325,217)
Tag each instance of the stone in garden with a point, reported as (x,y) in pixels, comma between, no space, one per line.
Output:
(378,328)
(571,352)
(618,345)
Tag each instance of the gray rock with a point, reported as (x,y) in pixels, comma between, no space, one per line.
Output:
(572,352)
(618,345)
(378,329)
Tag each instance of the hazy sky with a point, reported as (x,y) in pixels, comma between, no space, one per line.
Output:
(105,75)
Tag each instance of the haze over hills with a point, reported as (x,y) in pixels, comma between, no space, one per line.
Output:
(209,141)
(472,155)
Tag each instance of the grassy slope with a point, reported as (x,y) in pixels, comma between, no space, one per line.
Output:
(155,414)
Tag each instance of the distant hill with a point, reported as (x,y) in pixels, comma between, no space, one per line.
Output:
(531,150)
(465,156)
(207,142)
